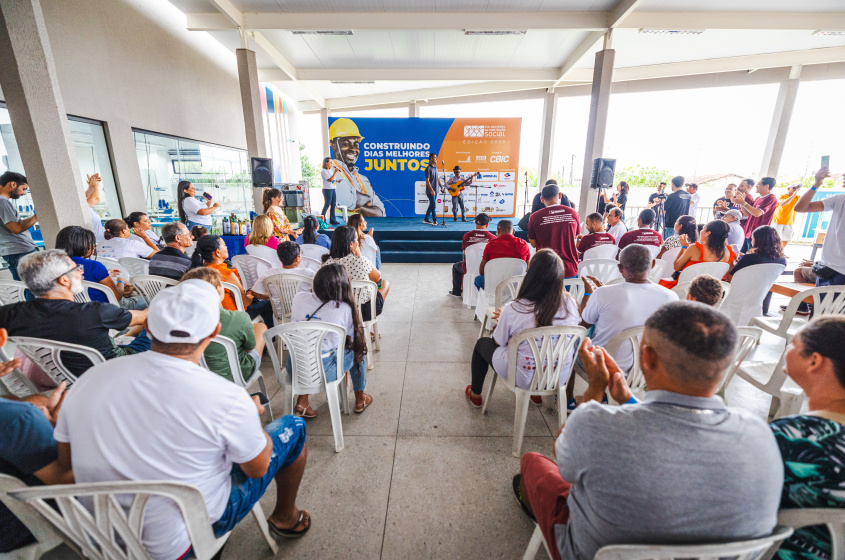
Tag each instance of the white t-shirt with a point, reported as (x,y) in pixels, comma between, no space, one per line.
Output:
(833,250)
(151,235)
(334,312)
(613,309)
(618,231)
(513,321)
(119,247)
(97,225)
(191,205)
(258,288)
(160,418)
(693,205)
(326,174)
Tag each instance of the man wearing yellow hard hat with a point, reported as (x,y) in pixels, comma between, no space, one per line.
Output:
(353,189)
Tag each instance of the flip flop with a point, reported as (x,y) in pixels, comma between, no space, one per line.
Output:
(301,411)
(290,533)
(365,404)
(517,479)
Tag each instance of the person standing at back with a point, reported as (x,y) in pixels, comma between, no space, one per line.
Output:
(15,240)
(329,175)
(761,212)
(477,235)
(432,185)
(555,227)
(833,251)
(192,212)
(784,216)
(676,205)
(692,189)
(655,202)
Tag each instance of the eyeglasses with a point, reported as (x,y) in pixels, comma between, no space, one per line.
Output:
(74,269)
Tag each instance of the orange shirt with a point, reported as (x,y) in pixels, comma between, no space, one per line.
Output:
(227,273)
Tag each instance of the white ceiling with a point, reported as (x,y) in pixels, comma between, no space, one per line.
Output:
(741,6)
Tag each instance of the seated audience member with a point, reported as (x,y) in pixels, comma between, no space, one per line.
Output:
(311,234)
(644,235)
(811,444)
(365,238)
(555,227)
(119,243)
(198,232)
(541,302)
(237,325)
(219,446)
(332,302)
(713,247)
(685,225)
(172,262)
(505,246)
(212,252)
(79,244)
(477,235)
(616,226)
(597,235)
(766,248)
(711,473)
(290,256)
(736,237)
(262,233)
(141,227)
(705,289)
(346,250)
(53,278)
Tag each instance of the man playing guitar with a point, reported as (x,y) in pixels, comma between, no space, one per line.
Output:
(455,185)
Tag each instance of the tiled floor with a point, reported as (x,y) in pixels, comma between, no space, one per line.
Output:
(423,474)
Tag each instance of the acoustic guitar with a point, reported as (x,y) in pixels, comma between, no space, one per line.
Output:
(455,189)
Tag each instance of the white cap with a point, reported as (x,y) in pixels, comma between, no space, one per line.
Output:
(734,213)
(185,313)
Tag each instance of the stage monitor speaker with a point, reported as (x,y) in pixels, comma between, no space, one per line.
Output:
(603,170)
(293,199)
(262,172)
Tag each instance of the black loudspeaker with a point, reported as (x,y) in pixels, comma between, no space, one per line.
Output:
(603,170)
(293,199)
(262,172)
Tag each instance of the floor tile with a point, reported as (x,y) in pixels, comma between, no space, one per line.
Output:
(442,342)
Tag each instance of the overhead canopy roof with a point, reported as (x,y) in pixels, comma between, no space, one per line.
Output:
(404,50)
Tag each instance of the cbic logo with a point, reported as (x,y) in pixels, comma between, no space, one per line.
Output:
(474,131)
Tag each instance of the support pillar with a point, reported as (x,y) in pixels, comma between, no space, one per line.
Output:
(596,128)
(324,124)
(127,172)
(256,142)
(547,137)
(413,110)
(776,139)
(37,111)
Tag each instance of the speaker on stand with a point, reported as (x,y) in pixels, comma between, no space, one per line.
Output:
(262,178)
(603,172)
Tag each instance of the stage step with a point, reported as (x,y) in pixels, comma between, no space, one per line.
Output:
(420,256)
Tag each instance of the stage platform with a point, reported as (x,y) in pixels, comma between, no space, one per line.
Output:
(409,240)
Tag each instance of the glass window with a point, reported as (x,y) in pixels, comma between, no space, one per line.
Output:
(222,172)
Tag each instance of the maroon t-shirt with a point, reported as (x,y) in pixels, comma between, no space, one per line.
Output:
(644,236)
(749,200)
(594,240)
(768,204)
(507,247)
(555,228)
(473,237)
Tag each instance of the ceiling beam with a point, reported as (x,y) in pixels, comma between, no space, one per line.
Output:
(735,20)
(287,68)
(233,15)
(621,11)
(576,55)
(413,74)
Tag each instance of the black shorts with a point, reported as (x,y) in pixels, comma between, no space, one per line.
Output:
(365,309)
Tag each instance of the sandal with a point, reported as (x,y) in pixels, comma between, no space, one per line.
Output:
(304,520)
(517,480)
(302,411)
(359,408)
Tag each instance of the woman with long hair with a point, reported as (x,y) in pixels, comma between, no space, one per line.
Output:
(271,200)
(311,233)
(211,251)
(140,226)
(685,225)
(192,212)
(713,247)
(331,302)
(262,233)
(365,238)
(540,302)
(620,197)
(329,176)
(766,248)
(346,250)
(119,242)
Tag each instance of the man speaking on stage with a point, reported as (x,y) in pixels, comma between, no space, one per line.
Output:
(353,189)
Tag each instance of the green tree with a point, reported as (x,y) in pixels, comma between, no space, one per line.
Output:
(638,176)
(309,170)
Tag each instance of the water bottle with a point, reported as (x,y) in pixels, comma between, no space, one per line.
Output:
(226,229)
(243,228)
(248,227)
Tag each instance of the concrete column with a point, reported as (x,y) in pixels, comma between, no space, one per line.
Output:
(127,172)
(779,128)
(37,112)
(599,103)
(324,126)
(256,142)
(548,137)
(413,109)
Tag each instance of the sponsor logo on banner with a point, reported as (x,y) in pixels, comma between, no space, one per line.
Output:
(499,159)
(474,131)
(506,176)
(480,158)
(488,177)
(465,160)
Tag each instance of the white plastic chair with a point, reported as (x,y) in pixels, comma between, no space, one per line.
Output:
(237,373)
(603,270)
(135,266)
(772,386)
(12,291)
(833,518)
(715,269)
(654,250)
(683,289)
(15,383)
(47,355)
(149,286)
(658,270)
(114,531)
(266,253)
(670,255)
(83,296)
(749,287)
(575,288)
(634,377)
(553,349)
(785,327)
(360,290)
(46,537)
(473,255)
(304,341)
(506,291)
(494,272)
(313,251)
(281,288)
(314,264)
(607,251)
(250,268)
(110,264)
(236,295)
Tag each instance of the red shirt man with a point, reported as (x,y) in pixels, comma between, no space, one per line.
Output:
(761,212)
(505,246)
(643,236)
(744,189)
(597,235)
(555,227)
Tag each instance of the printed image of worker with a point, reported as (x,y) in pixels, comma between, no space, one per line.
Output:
(353,189)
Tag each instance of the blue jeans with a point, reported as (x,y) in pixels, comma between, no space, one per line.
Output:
(358,373)
(12,261)
(191,225)
(140,344)
(668,232)
(330,196)
(432,208)
(838,280)
(263,308)
(378,258)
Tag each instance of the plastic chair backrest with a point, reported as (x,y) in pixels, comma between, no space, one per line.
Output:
(47,354)
(250,268)
(671,254)
(498,269)
(506,290)
(150,285)
(746,339)
(236,295)
(715,269)
(282,288)
(635,379)
(472,256)
(84,295)
(15,383)
(304,341)
(683,289)
(658,270)
(827,300)
(12,291)
(361,289)
(313,251)
(606,251)
(833,518)
(135,266)
(553,349)
(737,550)
(749,287)
(575,288)
(604,270)
(47,537)
(314,264)
(111,263)
(232,355)
(266,253)
(654,250)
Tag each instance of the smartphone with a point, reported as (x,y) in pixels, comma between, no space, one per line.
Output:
(206,196)
(825,162)
(262,398)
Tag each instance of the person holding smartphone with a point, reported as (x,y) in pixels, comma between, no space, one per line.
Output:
(831,270)
(192,212)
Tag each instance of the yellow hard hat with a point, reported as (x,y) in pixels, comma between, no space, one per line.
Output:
(343,127)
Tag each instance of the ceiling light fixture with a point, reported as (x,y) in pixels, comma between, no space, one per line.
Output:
(351,82)
(321,32)
(493,32)
(828,33)
(672,31)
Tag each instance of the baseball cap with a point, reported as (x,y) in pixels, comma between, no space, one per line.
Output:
(482,219)
(735,213)
(185,313)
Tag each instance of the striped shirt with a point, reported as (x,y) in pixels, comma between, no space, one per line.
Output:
(170,263)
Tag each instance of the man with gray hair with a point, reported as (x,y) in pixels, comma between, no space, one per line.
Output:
(616,225)
(172,262)
(678,467)
(54,279)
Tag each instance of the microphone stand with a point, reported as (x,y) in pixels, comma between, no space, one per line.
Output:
(443,194)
